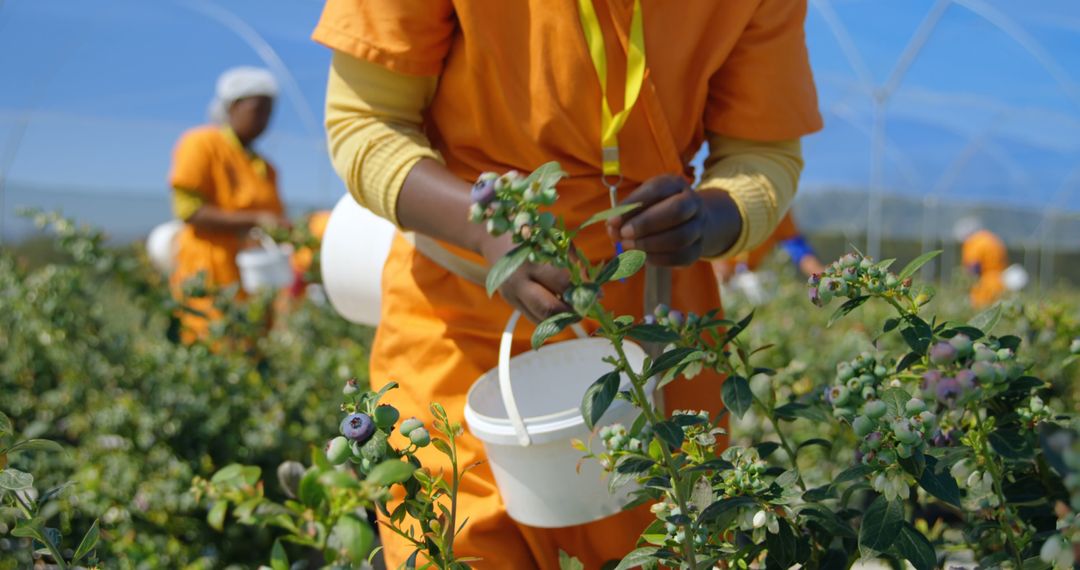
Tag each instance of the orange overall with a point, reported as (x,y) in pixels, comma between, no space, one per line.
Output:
(517,89)
(984,254)
(212,164)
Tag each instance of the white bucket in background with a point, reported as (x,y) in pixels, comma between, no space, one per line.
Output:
(354,250)
(1015,277)
(264,268)
(526,411)
(162,245)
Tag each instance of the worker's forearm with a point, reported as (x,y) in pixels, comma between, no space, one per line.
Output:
(435,202)
(215,219)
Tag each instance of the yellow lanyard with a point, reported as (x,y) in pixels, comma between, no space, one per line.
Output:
(610,125)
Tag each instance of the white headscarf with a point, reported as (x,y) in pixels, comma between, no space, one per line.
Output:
(238,83)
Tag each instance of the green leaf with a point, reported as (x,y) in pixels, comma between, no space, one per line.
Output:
(737,396)
(15,480)
(915,548)
(608,214)
(720,509)
(906,362)
(505,267)
(669,359)
(567,562)
(598,397)
(918,334)
(916,464)
(639,557)
(548,174)
(37,445)
(552,326)
(669,433)
(278,559)
(5,424)
(896,399)
(853,473)
(881,524)
(941,485)
(391,471)
(890,324)
(816,441)
(311,490)
(828,520)
(216,517)
(1010,444)
(847,307)
(988,319)
(228,473)
(782,546)
(766,448)
(352,537)
(624,265)
(652,333)
(917,263)
(334,479)
(89,541)
(633,464)
(793,410)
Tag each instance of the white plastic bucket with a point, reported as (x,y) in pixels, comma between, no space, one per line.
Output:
(526,411)
(354,250)
(162,244)
(265,267)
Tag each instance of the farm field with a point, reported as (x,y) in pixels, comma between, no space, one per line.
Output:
(89,359)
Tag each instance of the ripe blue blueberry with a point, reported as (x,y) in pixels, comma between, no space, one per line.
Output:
(357,427)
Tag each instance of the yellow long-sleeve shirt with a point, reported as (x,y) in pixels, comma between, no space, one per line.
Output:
(375,136)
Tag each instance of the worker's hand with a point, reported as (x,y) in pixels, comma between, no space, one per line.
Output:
(535,290)
(676,225)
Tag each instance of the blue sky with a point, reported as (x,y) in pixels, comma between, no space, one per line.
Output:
(93,94)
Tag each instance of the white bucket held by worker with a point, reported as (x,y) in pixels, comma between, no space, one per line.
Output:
(526,412)
(265,266)
(354,249)
(162,245)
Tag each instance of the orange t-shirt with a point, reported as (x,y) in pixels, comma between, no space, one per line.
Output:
(517,88)
(210,162)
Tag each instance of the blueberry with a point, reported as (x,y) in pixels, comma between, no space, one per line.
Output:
(875,409)
(961,343)
(942,353)
(409,425)
(862,426)
(420,437)
(338,451)
(947,391)
(357,427)
(483,192)
(386,416)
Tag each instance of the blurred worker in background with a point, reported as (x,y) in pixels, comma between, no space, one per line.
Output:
(222,188)
(983,254)
(788,237)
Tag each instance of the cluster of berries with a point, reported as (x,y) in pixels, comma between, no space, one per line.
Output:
(854,275)
(363,438)
(511,203)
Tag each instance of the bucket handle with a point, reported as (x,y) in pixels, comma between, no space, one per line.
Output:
(509,402)
(264,239)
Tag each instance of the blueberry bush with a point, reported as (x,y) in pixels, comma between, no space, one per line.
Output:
(90,358)
(935,428)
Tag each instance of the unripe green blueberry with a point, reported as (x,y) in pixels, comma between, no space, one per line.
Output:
(914,406)
(498,225)
(1004,354)
(928,419)
(880,371)
(886,457)
(902,430)
(843,413)
(983,354)
(962,344)
(862,426)
(983,370)
(891,281)
(844,372)
(420,437)
(338,451)
(409,425)
(904,451)
(838,395)
(873,440)
(386,416)
(351,387)
(867,379)
(869,393)
(875,409)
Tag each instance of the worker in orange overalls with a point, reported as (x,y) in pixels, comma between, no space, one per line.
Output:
(984,255)
(222,188)
(788,237)
(425,95)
